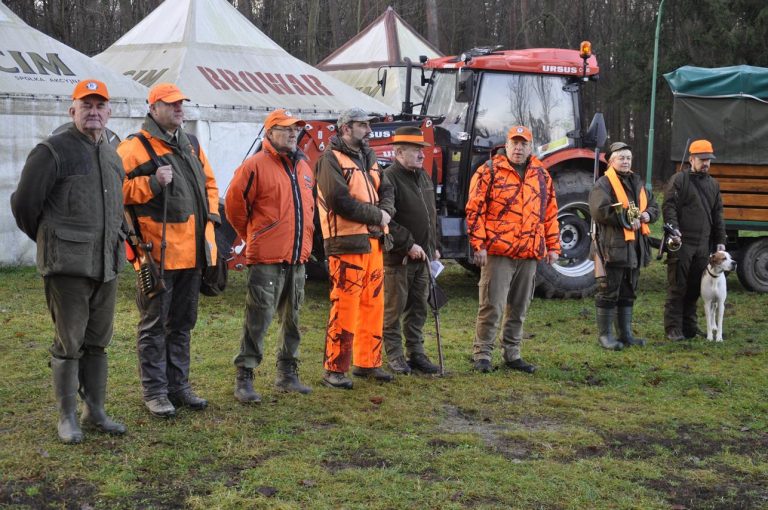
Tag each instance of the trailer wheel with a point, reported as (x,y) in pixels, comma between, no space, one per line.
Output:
(573,276)
(752,269)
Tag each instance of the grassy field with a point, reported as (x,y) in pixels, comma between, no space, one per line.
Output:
(672,425)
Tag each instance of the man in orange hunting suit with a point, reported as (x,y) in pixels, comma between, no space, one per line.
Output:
(352,199)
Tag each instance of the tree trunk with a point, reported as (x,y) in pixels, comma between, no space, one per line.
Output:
(433,32)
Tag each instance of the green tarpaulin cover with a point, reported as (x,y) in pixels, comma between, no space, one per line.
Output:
(728,106)
(719,82)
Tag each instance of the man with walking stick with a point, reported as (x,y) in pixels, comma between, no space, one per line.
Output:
(406,269)
(171,193)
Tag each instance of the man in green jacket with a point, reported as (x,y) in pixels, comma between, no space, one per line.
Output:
(693,206)
(622,244)
(69,200)
(406,269)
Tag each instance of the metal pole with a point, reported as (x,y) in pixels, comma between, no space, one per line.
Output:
(649,154)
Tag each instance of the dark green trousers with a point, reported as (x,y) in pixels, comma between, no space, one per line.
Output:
(83,312)
(406,288)
(684,271)
(272,288)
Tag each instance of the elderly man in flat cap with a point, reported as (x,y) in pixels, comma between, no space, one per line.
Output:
(172,195)
(415,242)
(694,207)
(70,201)
(622,210)
(352,198)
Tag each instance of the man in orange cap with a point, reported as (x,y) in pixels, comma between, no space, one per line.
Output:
(511,224)
(69,200)
(414,239)
(172,194)
(694,207)
(270,203)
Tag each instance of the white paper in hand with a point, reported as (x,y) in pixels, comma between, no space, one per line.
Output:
(436,267)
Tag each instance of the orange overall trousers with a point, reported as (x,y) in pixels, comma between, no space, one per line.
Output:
(354,331)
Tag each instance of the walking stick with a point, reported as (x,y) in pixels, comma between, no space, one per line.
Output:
(435,302)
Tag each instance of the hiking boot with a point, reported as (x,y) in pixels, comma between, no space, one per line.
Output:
(605,318)
(689,335)
(188,398)
(161,407)
(337,380)
(244,387)
(376,373)
(482,365)
(675,335)
(420,362)
(288,377)
(65,382)
(521,365)
(624,327)
(399,366)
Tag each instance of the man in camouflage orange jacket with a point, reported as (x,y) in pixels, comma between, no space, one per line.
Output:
(512,224)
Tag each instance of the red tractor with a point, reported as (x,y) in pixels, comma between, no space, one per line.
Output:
(471,101)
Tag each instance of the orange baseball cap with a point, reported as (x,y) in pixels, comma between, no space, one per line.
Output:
(520,132)
(90,87)
(702,149)
(281,117)
(165,92)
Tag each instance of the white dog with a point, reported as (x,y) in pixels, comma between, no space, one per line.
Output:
(714,291)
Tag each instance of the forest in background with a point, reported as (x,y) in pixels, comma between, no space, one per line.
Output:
(704,33)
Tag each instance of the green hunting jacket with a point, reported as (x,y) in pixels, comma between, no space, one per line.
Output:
(69,200)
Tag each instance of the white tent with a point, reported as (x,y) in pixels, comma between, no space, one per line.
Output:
(232,72)
(385,42)
(36,80)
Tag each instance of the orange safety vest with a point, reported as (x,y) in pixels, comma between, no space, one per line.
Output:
(621,195)
(363,186)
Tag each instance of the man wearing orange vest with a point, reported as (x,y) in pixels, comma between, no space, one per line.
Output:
(622,244)
(270,203)
(350,192)
(178,172)
(512,225)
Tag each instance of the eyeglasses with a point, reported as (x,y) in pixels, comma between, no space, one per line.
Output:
(291,129)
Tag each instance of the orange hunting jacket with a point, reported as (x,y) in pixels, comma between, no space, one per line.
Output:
(270,205)
(193,197)
(513,218)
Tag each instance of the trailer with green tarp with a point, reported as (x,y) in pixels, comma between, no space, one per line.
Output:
(729,107)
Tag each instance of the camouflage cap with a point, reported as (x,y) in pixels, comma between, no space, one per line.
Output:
(353,115)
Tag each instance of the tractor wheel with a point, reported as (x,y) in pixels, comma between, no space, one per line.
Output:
(573,276)
(752,267)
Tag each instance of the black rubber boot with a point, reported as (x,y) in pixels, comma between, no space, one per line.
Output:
(93,391)
(65,387)
(288,377)
(624,327)
(244,387)
(605,318)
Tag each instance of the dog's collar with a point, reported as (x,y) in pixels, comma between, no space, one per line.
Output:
(710,272)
